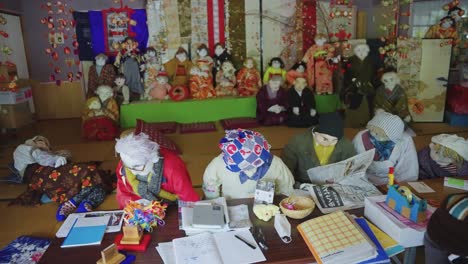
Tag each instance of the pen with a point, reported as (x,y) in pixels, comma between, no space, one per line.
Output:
(247,243)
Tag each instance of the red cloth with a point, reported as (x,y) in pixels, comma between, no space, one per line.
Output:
(176,180)
(457,96)
(100,128)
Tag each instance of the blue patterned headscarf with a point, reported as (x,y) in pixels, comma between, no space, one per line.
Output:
(245,150)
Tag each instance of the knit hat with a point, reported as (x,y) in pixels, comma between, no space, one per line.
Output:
(244,149)
(453,142)
(391,124)
(330,124)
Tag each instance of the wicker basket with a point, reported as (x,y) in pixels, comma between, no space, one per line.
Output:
(303,206)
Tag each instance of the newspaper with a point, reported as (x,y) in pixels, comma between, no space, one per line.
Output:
(114,225)
(342,185)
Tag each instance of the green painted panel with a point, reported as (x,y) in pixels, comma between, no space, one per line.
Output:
(327,103)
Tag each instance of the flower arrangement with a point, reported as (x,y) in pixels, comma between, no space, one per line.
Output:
(145,215)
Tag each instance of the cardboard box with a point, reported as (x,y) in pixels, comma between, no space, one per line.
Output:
(24,94)
(15,115)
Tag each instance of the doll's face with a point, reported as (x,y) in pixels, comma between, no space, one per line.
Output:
(274,85)
(119,81)
(130,44)
(162,79)
(227,68)
(325,139)
(390,81)
(361,51)
(100,61)
(378,133)
(320,41)
(276,64)
(104,94)
(438,156)
(181,57)
(300,69)
(95,105)
(151,54)
(202,52)
(249,64)
(446,23)
(137,166)
(41,143)
(300,84)
(219,50)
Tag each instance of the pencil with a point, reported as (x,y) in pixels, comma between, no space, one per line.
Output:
(245,241)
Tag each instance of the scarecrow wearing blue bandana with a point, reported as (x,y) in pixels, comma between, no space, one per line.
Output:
(245,159)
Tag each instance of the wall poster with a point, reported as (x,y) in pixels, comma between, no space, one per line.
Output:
(117,26)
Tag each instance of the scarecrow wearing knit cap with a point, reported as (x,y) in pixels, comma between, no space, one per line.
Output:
(147,172)
(245,159)
(321,145)
(446,155)
(393,148)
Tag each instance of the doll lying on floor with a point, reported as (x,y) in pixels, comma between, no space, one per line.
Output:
(78,187)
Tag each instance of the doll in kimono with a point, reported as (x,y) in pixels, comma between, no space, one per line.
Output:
(275,68)
(178,68)
(100,74)
(221,54)
(160,88)
(393,148)
(152,67)
(201,80)
(446,155)
(359,88)
(298,70)
(272,103)
(248,78)
(129,62)
(391,97)
(319,73)
(301,105)
(226,80)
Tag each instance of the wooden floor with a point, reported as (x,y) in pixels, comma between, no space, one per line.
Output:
(198,150)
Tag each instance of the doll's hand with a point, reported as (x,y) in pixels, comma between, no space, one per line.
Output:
(407,119)
(60,161)
(281,109)
(353,79)
(296,110)
(313,112)
(142,67)
(273,109)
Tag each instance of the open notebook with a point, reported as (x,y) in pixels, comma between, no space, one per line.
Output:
(336,239)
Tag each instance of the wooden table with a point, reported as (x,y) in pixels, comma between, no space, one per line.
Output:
(278,252)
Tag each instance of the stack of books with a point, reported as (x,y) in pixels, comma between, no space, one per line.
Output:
(338,238)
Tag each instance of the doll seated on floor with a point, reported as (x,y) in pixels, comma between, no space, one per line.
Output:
(101,115)
(393,148)
(226,80)
(78,187)
(391,97)
(160,88)
(301,105)
(149,172)
(121,90)
(245,159)
(272,103)
(446,155)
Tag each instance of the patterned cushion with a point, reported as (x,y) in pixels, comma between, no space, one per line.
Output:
(197,127)
(239,122)
(156,135)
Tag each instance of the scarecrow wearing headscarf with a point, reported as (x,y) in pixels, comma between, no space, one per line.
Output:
(446,155)
(147,172)
(393,148)
(78,187)
(321,145)
(245,159)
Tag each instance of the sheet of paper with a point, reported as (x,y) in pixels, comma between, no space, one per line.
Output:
(166,251)
(234,251)
(421,187)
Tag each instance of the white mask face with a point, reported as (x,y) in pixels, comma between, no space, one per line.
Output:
(140,167)
(437,155)
(325,139)
(361,52)
(100,62)
(446,24)
(181,57)
(219,50)
(119,81)
(300,69)
(249,64)
(274,85)
(152,54)
(390,82)
(202,53)
(276,64)
(378,133)
(104,95)
(161,80)
(95,105)
(320,41)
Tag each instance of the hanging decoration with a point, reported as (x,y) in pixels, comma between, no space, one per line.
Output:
(117,26)
(336,20)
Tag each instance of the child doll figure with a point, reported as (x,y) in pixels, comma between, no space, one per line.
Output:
(221,54)
(275,67)
(391,97)
(178,68)
(121,90)
(226,80)
(160,88)
(152,68)
(301,105)
(272,103)
(248,78)
(201,80)
(393,148)
(319,74)
(298,70)
(199,88)
(99,74)
(446,155)
(129,61)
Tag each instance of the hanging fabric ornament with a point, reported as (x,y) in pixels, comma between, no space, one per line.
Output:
(66,50)
(50,25)
(3,34)
(3,20)
(57,70)
(52,78)
(75,44)
(55,56)
(44,20)
(70,76)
